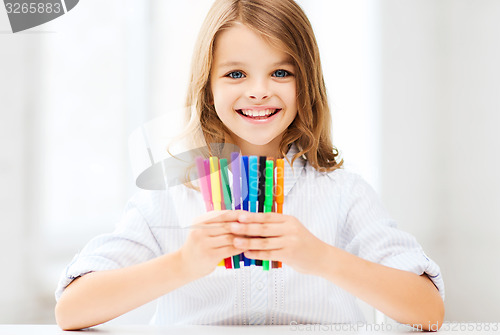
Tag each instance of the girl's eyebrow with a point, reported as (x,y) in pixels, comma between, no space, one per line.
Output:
(284,62)
(238,64)
(230,64)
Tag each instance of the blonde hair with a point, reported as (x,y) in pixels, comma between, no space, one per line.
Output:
(284,25)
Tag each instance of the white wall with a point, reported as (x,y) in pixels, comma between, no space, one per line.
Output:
(19,63)
(440,141)
(64,165)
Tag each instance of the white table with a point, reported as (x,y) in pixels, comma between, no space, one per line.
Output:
(448,328)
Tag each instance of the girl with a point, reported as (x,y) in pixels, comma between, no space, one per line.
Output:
(257,82)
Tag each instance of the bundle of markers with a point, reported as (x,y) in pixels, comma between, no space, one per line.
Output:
(257,187)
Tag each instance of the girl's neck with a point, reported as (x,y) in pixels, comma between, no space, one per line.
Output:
(270,149)
(259,150)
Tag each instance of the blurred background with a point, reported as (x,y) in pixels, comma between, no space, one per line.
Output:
(414,87)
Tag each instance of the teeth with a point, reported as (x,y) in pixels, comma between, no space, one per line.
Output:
(254,113)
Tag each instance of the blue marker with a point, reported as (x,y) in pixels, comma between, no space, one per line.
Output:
(253,182)
(253,186)
(244,196)
(244,182)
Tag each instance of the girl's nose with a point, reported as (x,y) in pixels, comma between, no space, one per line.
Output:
(258,91)
(258,96)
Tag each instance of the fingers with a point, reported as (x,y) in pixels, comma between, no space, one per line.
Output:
(256,229)
(216,222)
(213,229)
(220,241)
(230,232)
(221,246)
(259,224)
(225,252)
(255,243)
(217,217)
(222,219)
(249,217)
(263,254)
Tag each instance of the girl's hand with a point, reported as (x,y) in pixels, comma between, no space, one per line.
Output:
(278,237)
(209,242)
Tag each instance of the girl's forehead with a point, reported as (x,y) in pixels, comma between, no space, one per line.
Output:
(239,42)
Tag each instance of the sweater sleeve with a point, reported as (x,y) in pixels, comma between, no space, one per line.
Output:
(371,234)
(131,242)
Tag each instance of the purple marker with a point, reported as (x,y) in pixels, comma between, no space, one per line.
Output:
(235,169)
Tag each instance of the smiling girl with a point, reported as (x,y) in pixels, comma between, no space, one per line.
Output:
(257,82)
(254,90)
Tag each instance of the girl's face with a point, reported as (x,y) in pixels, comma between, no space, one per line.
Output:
(254,90)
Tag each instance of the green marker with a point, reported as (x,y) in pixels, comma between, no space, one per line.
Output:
(226,192)
(268,200)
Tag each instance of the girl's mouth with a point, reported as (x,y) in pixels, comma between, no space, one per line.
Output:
(258,114)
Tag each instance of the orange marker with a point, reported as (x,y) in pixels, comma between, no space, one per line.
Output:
(279,188)
(280,176)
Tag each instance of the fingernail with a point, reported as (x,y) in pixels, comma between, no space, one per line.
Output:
(243,217)
(235,227)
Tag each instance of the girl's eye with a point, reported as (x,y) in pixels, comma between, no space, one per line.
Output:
(235,75)
(281,73)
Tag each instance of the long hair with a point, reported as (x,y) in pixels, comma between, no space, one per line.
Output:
(284,25)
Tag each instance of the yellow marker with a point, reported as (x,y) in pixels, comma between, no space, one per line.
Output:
(215,182)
